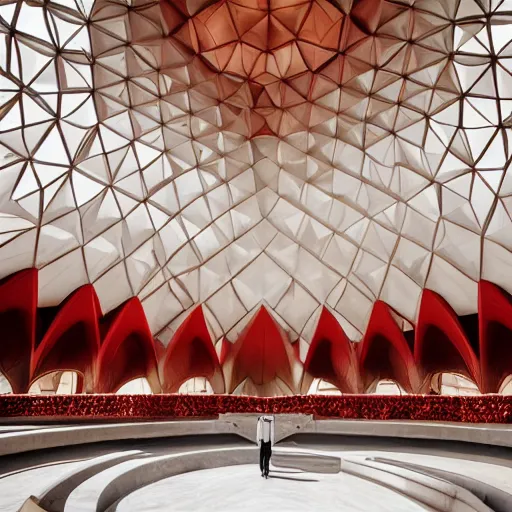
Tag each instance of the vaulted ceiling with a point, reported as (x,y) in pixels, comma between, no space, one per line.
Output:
(304,155)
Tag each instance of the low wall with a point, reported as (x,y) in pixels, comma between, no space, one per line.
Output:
(470,409)
(330,432)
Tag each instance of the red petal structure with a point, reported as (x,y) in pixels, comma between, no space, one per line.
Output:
(495,332)
(191,354)
(262,353)
(441,344)
(331,356)
(73,340)
(128,350)
(109,351)
(291,169)
(18,309)
(384,352)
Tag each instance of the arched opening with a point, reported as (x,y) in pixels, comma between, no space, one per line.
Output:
(499,356)
(191,354)
(440,353)
(332,358)
(56,383)
(63,346)
(196,386)
(453,384)
(5,385)
(125,361)
(388,362)
(506,386)
(275,387)
(389,387)
(135,387)
(322,387)
(262,356)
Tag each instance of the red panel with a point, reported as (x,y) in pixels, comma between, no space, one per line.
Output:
(191,354)
(171,13)
(331,355)
(495,331)
(440,342)
(261,353)
(159,351)
(128,350)
(367,13)
(384,352)
(18,308)
(73,339)
(224,351)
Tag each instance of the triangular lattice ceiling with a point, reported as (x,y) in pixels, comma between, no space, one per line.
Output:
(290,152)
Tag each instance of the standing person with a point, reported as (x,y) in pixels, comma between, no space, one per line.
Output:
(265,439)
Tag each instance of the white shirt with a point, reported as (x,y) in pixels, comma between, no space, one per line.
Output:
(265,430)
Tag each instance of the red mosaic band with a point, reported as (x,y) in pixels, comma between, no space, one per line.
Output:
(471,409)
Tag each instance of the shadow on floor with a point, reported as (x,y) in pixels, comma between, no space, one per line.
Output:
(278,477)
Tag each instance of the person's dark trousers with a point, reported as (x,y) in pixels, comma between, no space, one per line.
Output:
(265,454)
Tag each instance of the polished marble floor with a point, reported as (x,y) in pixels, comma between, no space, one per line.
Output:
(242,489)
(225,489)
(17,487)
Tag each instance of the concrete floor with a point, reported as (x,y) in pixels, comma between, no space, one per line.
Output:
(224,489)
(241,488)
(227,488)
(16,488)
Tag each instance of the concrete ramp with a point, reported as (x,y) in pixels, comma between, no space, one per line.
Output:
(308,462)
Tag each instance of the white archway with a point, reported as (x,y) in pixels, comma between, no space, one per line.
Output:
(55,383)
(135,387)
(196,385)
(506,386)
(5,385)
(388,387)
(276,387)
(322,387)
(453,384)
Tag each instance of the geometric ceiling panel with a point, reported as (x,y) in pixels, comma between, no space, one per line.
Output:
(235,153)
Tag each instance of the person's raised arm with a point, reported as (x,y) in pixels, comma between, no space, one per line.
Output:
(258,432)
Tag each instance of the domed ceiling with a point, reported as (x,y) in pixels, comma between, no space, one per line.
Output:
(234,153)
